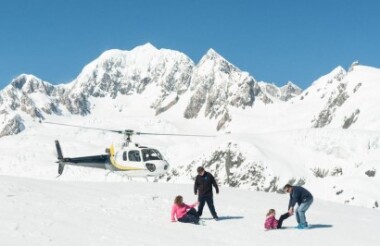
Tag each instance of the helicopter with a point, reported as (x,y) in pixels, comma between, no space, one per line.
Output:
(131,157)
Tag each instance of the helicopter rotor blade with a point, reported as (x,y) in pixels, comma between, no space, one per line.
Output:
(84,127)
(171,134)
(129,132)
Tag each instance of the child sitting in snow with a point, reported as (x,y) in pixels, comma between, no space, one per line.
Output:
(272,223)
(183,212)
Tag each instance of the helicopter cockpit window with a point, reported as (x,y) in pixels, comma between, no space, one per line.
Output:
(134,155)
(151,154)
(125,156)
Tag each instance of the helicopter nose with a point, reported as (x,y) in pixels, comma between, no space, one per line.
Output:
(163,166)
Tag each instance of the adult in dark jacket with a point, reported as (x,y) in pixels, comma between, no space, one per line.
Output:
(302,197)
(203,187)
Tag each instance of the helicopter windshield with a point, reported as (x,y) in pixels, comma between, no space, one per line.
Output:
(151,155)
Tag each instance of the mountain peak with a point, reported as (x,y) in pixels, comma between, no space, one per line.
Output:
(145,47)
(117,53)
(337,74)
(23,79)
(290,84)
(213,58)
(212,54)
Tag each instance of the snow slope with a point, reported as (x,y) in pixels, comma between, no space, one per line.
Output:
(37,212)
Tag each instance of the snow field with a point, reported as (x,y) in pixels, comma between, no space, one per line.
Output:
(40,212)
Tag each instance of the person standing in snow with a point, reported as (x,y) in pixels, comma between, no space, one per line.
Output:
(302,197)
(183,212)
(203,187)
(272,223)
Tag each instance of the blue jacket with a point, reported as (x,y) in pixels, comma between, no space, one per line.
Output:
(299,195)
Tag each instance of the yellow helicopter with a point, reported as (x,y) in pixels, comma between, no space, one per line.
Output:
(135,159)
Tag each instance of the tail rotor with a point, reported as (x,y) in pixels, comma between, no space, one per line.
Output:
(61,164)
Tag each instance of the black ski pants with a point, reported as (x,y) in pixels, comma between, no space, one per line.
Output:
(190,217)
(281,219)
(210,203)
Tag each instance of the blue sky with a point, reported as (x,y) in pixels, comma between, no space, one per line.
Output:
(274,40)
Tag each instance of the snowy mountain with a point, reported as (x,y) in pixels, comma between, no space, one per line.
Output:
(344,99)
(26,98)
(118,72)
(160,76)
(325,137)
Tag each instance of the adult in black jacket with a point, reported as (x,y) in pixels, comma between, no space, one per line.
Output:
(302,197)
(203,187)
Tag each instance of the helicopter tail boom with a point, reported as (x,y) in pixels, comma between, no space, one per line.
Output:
(96,161)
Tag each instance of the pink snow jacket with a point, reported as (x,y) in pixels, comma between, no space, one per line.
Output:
(271,222)
(180,210)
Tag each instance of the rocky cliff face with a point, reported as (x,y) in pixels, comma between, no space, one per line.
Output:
(289,91)
(333,88)
(11,124)
(231,167)
(216,85)
(29,95)
(270,93)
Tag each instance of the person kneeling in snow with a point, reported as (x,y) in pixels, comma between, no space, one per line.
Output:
(183,212)
(272,223)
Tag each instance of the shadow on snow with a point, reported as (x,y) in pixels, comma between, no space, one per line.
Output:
(311,226)
(317,226)
(225,218)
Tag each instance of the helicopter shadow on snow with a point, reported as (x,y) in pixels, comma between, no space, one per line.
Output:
(226,218)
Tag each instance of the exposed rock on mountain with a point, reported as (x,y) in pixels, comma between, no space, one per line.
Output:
(270,93)
(335,100)
(217,85)
(351,120)
(30,95)
(232,168)
(118,72)
(12,125)
(289,91)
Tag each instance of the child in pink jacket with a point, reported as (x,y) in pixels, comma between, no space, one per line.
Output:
(272,223)
(183,212)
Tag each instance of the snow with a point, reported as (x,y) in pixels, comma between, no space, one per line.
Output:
(39,212)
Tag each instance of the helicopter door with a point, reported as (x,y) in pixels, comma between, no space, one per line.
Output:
(134,155)
(122,157)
